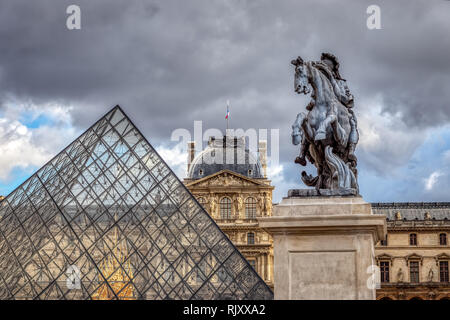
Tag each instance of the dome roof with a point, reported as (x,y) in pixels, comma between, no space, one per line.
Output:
(228,153)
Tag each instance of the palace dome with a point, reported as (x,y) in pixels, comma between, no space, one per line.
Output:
(228,153)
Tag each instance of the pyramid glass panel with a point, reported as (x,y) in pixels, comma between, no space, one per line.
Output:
(107,219)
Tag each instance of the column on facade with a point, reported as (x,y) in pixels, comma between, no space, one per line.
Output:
(263,266)
(258,265)
(266,265)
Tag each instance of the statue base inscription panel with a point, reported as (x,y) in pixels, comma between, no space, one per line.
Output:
(324,247)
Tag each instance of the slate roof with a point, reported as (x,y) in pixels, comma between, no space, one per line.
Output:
(228,153)
(413,210)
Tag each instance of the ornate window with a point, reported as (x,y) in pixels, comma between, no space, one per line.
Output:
(414,271)
(443,271)
(384,270)
(225,208)
(250,238)
(250,208)
(443,239)
(413,239)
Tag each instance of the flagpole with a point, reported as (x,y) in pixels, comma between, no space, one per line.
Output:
(228,116)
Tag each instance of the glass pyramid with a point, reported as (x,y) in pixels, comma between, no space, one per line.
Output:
(107,219)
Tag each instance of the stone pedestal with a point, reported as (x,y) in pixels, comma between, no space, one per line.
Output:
(323,247)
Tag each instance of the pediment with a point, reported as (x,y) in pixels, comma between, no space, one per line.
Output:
(384,256)
(442,256)
(226,178)
(414,257)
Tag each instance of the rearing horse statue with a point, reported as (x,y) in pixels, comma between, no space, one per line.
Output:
(328,133)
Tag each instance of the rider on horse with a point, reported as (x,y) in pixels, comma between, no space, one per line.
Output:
(329,66)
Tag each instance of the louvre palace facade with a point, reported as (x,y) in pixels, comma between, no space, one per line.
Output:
(415,256)
(231,183)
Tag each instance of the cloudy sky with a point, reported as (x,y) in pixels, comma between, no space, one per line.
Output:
(169,63)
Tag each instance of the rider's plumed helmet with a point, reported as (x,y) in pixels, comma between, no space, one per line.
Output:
(334,61)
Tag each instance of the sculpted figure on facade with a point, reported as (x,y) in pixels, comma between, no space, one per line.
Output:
(400,275)
(267,203)
(240,206)
(213,206)
(327,133)
(261,204)
(430,275)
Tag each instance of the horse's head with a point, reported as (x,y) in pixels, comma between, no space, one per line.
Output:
(301,84)
(297,131)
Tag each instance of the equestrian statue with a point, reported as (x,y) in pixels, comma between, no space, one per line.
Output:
(327,133)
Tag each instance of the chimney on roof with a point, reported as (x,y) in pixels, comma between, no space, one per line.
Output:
(262,151)
(191,154)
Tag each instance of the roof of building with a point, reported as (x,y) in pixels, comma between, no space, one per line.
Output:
(413,210)
(227,153)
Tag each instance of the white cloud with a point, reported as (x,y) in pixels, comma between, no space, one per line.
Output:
(385,140)
(175,157)
(17,149)
(275,173)
(22,147)
(432,179)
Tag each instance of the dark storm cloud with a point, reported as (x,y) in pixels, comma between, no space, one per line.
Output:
(169,63)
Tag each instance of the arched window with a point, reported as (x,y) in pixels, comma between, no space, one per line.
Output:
(250,238)
(250,208)
(443,239)
(225,208)
(413,239)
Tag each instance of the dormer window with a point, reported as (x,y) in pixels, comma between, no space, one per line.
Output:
(200,172)
(250,172)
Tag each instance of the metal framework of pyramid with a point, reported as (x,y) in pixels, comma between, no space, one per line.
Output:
(107,219)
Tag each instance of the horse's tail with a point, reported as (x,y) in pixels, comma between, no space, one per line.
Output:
(342,176)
